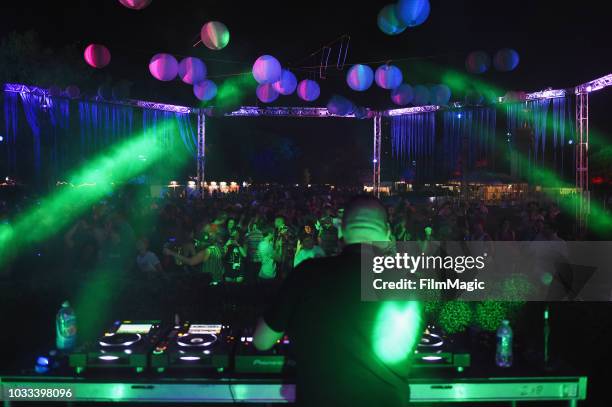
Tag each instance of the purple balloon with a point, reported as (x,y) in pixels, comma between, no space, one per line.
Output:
(163,67)
(266,93)
(205,90)
(308,90)
(73,91)
(266,69)
(192,70)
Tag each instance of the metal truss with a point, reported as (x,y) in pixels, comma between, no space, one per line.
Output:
(255,111)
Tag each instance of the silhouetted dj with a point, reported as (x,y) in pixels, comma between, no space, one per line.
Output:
(348,352)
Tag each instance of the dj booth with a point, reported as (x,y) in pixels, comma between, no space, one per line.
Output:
(459,390)
(143,361)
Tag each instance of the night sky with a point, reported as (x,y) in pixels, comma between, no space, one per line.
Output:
(561,44)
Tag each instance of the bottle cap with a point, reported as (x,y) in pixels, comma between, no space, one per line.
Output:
(65,304)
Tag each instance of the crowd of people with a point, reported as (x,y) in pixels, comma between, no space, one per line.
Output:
(259,235)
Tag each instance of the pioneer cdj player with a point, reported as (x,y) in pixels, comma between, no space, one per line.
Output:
(126,345)
(193,346)
(436,350)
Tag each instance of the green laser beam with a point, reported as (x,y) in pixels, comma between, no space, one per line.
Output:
(104,172)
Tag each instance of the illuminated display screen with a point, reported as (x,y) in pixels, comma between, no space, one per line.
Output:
(205,329)
(134,329)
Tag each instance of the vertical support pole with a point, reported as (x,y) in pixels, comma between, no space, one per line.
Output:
(582,160)
(376,155)
(201,154)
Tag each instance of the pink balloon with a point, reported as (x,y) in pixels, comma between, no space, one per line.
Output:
(266,93)
(192,70)
(163,67)
(135,4)
(97,56)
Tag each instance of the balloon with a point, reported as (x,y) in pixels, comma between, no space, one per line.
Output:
(286,84)
(388,76)
(412,12)
(105,92)
(402,95)
(163,67)
(388,22)
(73,91)
(266,93)
(135,4)
(340,106)
(440,94)
(121,90)
(421,95)
(266,69)
(97,56)
(360,77)
(361,112)
(214,35)
(477,62)
(192,70)
(205,90)
(506,60)
(308,90)
(55,91)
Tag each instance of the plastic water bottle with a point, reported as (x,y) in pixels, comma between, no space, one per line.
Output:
(65,327)
(503,355)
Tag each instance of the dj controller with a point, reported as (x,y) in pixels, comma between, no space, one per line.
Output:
(196,348)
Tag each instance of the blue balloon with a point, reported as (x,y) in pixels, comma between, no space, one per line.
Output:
(286,84)
(388,22)
(440,94)
(421,95)
(506,60)
(361,112)
(388,76)
(205,90)
(412,12)
(402,95)
(340,106)
(360,77)
(477,62)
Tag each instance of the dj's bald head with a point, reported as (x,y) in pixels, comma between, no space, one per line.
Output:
(365,220)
